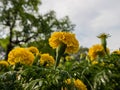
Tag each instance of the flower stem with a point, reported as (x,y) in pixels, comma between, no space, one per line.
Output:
(59,53)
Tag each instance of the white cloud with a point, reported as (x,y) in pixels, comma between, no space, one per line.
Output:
(91,18)
(105,20)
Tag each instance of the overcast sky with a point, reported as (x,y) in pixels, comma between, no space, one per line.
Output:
(91,18)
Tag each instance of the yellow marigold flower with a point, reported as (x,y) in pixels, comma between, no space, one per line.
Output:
(47,60)
(34,50)
(94,62)
(58,38)
(68,58)
(4,63)
(116,52)
(79,85)
(20,55)
(103,35)
(69,81)
(95,51)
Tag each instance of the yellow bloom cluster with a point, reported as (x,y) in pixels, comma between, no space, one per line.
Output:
(116,52)
(58,38)
(95,51)
(68,58)
(4,63)
(80,85)
(47,60)
(34,50)
(77,83)
(69,81)
(94,62)
(20,55)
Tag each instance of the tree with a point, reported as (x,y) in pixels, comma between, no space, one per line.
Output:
(24,24)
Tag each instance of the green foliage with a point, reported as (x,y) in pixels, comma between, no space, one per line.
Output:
(97,76)
(8,81)
(33,85)
(4,42)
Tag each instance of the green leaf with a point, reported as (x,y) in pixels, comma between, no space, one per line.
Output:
(101,78)
(33,85)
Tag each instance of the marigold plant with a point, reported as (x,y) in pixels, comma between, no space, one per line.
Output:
(116,52)
(69,81)
(20,55)
(103,35)
(4,63)
(96,51)
(78,84)
(93,69)
(47,60)
(34,50)
(68,58)
(58,38)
